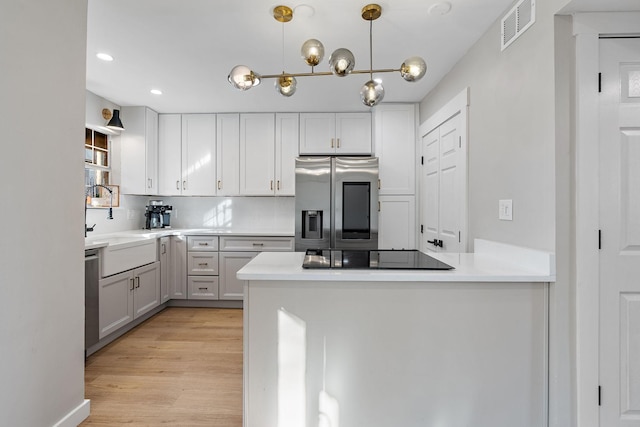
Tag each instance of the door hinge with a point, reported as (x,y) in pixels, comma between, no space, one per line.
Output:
(421,228)
(599,396)
(599,239)
(599,82)
(422,160)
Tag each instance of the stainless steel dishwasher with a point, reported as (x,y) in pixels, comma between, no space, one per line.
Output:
(91,318)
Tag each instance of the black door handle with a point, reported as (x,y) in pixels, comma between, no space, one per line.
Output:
(436,242)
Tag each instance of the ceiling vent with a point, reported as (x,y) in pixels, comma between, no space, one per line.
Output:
(516,21)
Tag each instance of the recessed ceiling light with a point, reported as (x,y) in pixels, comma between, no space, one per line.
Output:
(156,91)
(105,56)
(441,8)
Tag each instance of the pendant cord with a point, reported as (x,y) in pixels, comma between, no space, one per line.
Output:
(371,49)
(283,48)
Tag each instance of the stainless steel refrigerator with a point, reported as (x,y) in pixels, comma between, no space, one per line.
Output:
(336,203)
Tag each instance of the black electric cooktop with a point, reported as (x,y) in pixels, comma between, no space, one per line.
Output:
(379,259)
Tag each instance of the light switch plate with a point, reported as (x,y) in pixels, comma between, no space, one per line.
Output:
(505,210)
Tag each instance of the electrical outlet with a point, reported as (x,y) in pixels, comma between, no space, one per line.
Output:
(505,210)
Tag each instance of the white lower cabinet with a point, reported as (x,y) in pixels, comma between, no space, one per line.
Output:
(127,296)
(178,267)
(231,288)
(165,260)
(202,287)
(397,222)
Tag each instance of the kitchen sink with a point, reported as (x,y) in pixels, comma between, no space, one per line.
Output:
(123,253)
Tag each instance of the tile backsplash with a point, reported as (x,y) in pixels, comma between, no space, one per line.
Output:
(238,213)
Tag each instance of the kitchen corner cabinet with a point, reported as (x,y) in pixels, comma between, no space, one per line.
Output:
(335,133)
(395,146)
(139,151)
(268,148)
(164,256)
(227,154)
(187,152)
(397,222)
(127,296)
(178,267)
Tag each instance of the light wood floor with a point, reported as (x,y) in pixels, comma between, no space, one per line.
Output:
(182,367)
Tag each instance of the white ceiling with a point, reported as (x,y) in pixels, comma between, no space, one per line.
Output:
(186,48)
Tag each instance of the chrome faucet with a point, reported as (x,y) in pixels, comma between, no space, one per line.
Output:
(110,216)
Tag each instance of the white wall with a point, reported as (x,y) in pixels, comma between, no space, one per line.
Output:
(511,131)
(42,58)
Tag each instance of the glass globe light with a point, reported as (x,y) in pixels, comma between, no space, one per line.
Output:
(371,93)
(341,62)
(241,77)
(286,85)
(413,69)
(312,52)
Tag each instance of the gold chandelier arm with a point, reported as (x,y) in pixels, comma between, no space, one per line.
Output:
(327,73)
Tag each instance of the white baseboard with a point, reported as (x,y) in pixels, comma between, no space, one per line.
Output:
(76,416)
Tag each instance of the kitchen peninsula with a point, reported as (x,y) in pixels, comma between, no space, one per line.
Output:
(461,347)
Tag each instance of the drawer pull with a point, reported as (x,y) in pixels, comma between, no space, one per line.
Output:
(203,289)
(258,244)
(203,264)
(203,244)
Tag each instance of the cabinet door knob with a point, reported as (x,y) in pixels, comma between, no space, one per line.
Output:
(338,142)
(177,185)
(137,282)
(378,184)
(271,185)
(184,185)
(132,281)
(278,185)
(219,185)
(331,142)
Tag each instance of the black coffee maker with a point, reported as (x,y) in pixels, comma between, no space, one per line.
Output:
(157,215)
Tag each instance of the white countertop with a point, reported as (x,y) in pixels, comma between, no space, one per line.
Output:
(492,262)
(122,237)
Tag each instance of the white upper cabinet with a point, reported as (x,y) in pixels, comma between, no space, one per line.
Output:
(170,154)
(187,151)
(199,154)
(228,154)
(335,133)
(395,143)
(139,151)
(287,136)
(257,154)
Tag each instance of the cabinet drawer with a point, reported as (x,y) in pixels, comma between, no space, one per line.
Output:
(262,244)
(202,287)
(202,264)
(202,243)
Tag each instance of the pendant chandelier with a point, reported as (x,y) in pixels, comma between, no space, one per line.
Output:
(341,63)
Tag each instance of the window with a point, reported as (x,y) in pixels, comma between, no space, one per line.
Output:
(97,159)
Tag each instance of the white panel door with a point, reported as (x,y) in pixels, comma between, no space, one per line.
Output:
(228,154)
(198,154)
(451,191)
(170,154)
(443,180)
(430,171)
(257,154)
(397,222)
(620,227)
(287,137)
